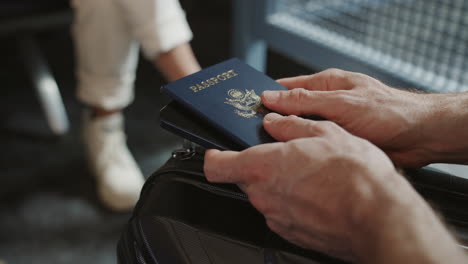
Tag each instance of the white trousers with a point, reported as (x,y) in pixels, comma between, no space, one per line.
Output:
(107,35)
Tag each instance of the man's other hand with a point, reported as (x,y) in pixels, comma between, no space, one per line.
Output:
(312,190)
(325,189)
(411,128)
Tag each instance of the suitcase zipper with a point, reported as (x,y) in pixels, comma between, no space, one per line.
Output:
(187,154)
(223,192)
(215,189)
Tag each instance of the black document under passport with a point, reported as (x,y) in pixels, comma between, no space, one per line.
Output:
(220,106)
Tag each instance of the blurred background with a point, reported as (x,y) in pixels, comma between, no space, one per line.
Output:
(49,212)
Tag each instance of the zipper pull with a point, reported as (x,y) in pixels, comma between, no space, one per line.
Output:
(183,153)
(186,152)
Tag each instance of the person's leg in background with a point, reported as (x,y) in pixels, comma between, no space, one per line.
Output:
(106,35)
(164,34)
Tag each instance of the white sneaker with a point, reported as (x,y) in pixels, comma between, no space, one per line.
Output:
(119,179)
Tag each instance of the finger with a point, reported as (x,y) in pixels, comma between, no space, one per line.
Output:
(222,166)
(328,80)
(301,102)
(294,82)
(250,165)
(288,128)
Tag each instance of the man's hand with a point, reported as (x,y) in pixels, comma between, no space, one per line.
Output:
(413,129)
(325,189)
(309,189)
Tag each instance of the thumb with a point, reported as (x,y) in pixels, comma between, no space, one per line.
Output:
(291,127)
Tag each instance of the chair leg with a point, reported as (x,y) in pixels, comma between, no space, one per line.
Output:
(45,85)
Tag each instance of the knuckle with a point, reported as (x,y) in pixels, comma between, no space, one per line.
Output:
(300,93)
(260,166)
(313,128)
(340,96)
(333,71)
(327,127)
(299,96)
(286,124)
(289,120)
(296,146)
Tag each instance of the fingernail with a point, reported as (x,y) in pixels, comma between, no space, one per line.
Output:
(270,96)
(271,116)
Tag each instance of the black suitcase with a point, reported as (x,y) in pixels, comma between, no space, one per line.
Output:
(181,218)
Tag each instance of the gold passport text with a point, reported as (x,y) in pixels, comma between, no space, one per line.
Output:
(213,81)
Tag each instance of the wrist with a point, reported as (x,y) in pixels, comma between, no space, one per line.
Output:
(399,227)
(382,207)
(445,128)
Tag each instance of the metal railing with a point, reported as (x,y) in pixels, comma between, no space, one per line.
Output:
(422,43)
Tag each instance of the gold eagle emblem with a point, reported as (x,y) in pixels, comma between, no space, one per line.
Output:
(247,103)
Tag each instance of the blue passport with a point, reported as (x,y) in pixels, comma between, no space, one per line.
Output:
(226,97)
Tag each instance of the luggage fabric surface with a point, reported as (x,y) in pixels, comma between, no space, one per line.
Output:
(181,218)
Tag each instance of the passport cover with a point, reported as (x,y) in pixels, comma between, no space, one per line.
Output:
(175,118)
(227,96)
